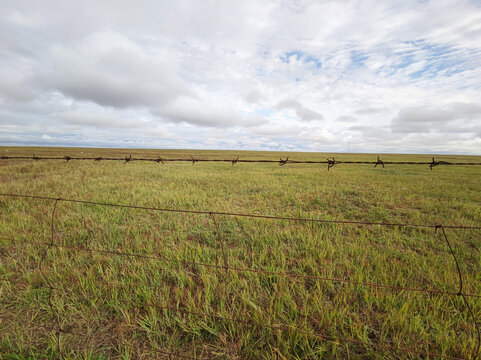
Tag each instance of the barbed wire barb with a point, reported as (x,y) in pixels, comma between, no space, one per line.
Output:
(379,162)
(283,162)
(330,163)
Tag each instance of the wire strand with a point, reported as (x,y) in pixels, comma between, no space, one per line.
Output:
(258,216)
(281,162)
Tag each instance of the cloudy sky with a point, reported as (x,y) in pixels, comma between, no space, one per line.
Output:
(364,76)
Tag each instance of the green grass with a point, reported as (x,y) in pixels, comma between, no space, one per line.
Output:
(104,297)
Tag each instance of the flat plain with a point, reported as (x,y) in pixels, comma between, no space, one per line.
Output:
(117,306)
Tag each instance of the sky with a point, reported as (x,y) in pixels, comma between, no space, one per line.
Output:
(323,76)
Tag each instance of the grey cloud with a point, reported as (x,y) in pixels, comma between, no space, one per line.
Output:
(360,128)
(110,70)
(466,110)
(253,97)
(17,84)
(371,110)
(346,119)
(276,130)
(97,140)
(425,119)
(97,119)
(318,136)
(21,92)
(206,112)
(252,121)
(302,112)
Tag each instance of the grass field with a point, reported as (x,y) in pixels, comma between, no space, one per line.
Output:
(102,297)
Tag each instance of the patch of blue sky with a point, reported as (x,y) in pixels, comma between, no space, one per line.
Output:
(358,59)
(307,59)
(405,61)
(288,55)
(441,65)
(311,60)
(432,70)
(440,59)
(264,112)
(436,50)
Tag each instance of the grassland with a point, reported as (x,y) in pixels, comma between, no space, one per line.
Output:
(101,296)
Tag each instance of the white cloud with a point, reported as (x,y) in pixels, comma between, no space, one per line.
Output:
(302,112)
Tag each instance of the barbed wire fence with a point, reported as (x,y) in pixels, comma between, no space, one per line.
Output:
(330,162)
(58,329)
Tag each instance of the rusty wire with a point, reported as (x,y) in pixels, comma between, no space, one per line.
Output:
(460,292)
(258,271)
(278,326)
(330,163)
(290,328)
(286,327)
(258,216)
(227,268)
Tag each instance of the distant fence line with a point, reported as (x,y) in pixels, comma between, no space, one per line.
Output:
(226,267)
(330,162)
